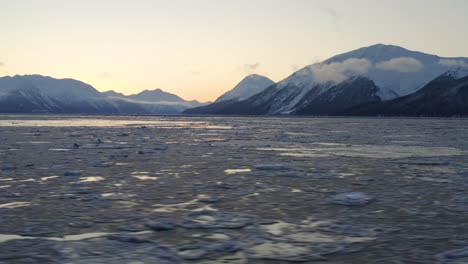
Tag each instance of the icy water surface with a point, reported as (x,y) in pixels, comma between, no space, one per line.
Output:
(232,190)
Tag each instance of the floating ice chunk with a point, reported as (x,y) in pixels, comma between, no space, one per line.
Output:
(117,196)
(6,237)
(210,219)
(235,171)
(91,179)
(192,252)
(170,208)
(102,164)
(14,205)
(48,178)
(59,149)
(80,237)
(218,236)
(7,179)
(351,199)
(236,258)
(277,228)
(271,167)
(27,180)
(311,237)
(162,225)
(145,178)
(281,251)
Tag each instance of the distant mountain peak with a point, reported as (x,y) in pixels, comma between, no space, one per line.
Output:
(384,46)
(255,76)
(250,85)
(156,95)
(112,93)
(378,52)
(157,90)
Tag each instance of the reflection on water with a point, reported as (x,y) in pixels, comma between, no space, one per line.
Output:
(107,122)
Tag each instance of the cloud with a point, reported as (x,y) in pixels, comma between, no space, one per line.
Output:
(403,64)
(453,63)
(251,68)
(106,75)
(339,71)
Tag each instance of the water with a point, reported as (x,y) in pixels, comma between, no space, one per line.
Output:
(232,190)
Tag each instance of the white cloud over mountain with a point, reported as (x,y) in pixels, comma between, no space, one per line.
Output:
(338,71)
(403,64)
(453,62)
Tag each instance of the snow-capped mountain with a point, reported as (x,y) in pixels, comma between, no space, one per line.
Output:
(41,94)
(398,70)
(250,85)
(447,95)
(54,88)
(156,95)
(395,71)
(246,88)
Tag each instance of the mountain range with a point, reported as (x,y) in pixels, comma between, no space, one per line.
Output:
(384,80)
(42,94)
(372,75)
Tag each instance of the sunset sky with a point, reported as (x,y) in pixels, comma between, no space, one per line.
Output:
(199,49)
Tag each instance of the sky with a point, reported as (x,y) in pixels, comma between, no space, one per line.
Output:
(199,49)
